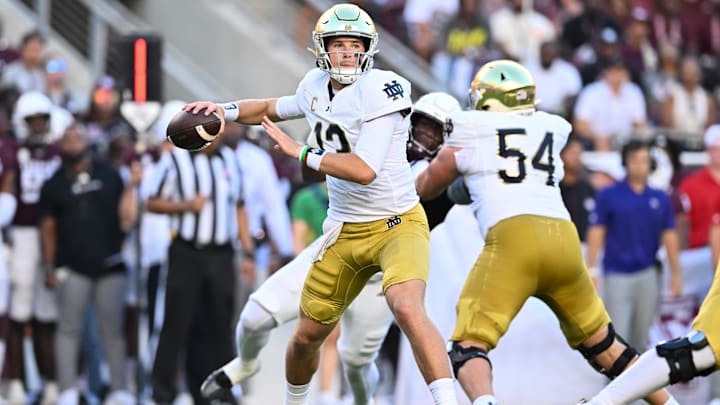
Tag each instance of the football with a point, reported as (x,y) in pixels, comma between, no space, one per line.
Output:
(193,131)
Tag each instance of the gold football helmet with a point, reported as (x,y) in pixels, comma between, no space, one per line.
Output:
(345,20)
(502,85)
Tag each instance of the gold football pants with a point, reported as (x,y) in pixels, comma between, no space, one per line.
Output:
(398,246)
(527,256)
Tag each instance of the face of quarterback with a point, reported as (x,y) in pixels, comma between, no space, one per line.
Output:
(638,165)
(426,136)
(344,52)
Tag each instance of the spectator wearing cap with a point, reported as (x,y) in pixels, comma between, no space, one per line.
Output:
(557,81)
(700,195)
(687,107)
(631,220)
(610,110)
(592,59)
(27,73)
(56,88)
(104,122)
(518,32)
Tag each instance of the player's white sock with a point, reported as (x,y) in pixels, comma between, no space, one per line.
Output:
(650,373)
(297,394)
(485,400)
(672,401)
(363,381)
(443,391)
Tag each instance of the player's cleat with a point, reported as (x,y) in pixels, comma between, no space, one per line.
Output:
(220,381)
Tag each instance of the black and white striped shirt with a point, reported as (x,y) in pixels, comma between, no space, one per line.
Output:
(182,175)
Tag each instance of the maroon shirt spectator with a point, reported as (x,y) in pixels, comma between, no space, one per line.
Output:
(666,24)
(695,20)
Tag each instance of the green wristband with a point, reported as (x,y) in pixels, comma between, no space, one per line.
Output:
(303,154)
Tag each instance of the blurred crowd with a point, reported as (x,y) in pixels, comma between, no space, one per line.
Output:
(614,68)
(81,176)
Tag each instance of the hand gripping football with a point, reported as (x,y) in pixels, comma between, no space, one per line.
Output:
(193,131)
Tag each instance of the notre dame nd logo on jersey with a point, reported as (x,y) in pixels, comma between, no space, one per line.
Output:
(393,90)
(393,221)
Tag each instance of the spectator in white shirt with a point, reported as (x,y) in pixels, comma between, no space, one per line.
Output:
(27,73)
(610,110)
(519,31)
(557,81)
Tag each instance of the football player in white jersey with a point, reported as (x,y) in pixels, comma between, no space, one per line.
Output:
(359,118)
(367,319)
(509,155)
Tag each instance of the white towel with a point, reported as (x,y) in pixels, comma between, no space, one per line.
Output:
(331,231)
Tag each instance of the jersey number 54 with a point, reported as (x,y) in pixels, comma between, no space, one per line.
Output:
(546,146)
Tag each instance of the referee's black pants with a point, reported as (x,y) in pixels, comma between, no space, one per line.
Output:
(200,283)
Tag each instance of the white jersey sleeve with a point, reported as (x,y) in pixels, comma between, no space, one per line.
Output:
(287,108)
(511,163)
(384,93)
(373,143)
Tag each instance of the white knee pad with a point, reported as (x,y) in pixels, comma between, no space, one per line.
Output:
(253,330)
(254,319)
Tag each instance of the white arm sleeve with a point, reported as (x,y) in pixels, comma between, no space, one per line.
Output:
(7,208)
(374,140)
(288,108)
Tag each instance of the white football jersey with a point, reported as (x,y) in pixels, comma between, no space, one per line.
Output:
(335,124)
(511,163)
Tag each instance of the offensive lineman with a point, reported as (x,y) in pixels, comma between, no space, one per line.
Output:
(510,157)
(367,319)
(375,222)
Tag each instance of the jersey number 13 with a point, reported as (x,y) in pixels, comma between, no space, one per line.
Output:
(546,146)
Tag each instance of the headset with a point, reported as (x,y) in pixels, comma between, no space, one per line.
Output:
(633,146)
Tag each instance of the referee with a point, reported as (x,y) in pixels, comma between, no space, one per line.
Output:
(203,193)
